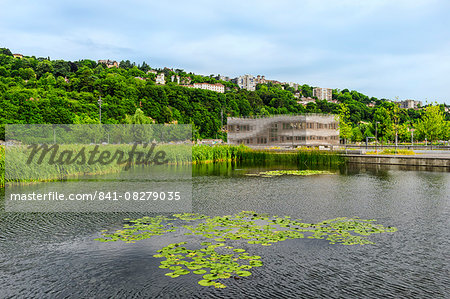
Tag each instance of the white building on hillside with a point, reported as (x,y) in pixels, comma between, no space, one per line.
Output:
(213,87)
(410,104)
(323,93)
(160,79)
(246,82)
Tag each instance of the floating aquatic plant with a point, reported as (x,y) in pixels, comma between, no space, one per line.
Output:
(139,229)
(273,173)
(216,261)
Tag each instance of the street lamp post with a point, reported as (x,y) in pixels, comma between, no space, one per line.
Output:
(376,136)
(100,108)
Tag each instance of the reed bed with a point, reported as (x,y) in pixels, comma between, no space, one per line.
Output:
(220,153)
(175,154)
(2,166)
(21,172)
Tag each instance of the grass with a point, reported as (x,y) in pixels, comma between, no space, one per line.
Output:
(21,172)
(177,155)
(391,151)
(219,153)
(2,166)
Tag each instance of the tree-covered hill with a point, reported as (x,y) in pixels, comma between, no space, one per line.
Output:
(41,90)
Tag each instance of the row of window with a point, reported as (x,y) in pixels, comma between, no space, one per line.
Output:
(263,140)
(285,126)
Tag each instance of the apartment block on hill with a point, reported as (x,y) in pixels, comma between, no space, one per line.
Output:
(246,82)
(323,93)
(410,104)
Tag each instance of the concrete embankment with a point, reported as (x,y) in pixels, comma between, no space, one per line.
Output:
(414,160)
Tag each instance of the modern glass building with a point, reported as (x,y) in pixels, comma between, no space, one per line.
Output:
(284,130)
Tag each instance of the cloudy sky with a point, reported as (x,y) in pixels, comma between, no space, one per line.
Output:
(382,48)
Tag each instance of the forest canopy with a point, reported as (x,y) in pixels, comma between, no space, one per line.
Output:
(40,90)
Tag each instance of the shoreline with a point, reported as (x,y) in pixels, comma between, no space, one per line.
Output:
(227,153)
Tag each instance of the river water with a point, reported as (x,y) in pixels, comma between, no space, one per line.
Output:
(54,255)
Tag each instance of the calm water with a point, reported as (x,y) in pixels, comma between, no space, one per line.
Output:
(54,255)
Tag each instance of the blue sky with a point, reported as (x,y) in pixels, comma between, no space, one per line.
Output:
(382,48)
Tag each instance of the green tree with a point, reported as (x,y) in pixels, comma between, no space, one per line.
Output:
(345,127)
(44,67)
(432,123)
(357,134)
(61,68)
(138,118)
(5,51)
(383,124)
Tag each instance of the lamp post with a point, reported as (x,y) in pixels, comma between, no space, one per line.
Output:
(376,136)
(100,108)
(412,138)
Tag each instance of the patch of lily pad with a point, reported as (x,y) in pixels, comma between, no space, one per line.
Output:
(215,260)
(272,173)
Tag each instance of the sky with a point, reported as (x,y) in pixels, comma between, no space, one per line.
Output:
(382,48)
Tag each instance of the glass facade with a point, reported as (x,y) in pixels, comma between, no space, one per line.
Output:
(284,130)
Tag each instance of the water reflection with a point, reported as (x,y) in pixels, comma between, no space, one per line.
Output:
(54,253)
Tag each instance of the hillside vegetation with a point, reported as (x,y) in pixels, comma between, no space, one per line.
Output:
(41,90)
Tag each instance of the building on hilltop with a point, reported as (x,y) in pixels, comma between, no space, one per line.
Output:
(18,56)
(323,93)
(222,78)
(217,87)
(152,72)
(160,79)
(109,63)
(276,82)
(260,79)
(245,82)
(173,78)
(284,130)
(410,104)
(305,100)
(295,86)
